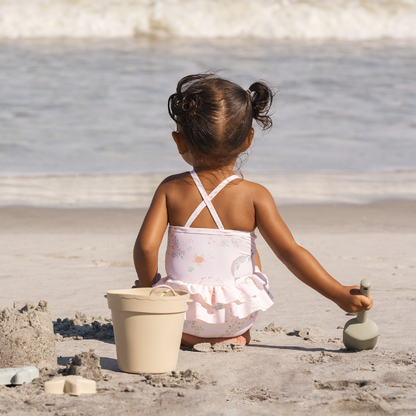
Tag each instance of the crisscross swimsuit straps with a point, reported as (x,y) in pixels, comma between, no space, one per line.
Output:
(207,199)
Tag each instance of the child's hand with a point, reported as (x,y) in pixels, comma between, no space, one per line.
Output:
(351,300)
(136,284)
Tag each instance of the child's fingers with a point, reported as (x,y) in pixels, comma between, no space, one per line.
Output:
(355,301)
(354,290)
(368,303)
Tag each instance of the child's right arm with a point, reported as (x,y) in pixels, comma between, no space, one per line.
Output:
(299,261)
(146,249)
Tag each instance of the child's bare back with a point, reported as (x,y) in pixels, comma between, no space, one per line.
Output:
(235,204)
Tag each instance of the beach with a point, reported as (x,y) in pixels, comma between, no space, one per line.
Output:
(85,139)
(71,257)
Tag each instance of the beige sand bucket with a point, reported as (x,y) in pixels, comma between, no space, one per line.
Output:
(148,324)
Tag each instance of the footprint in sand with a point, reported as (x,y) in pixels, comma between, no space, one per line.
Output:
(250,395)
(356,405)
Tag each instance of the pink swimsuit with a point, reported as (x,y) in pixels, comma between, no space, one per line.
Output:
(216,266)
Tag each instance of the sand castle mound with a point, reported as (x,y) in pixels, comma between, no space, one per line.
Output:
(26,336)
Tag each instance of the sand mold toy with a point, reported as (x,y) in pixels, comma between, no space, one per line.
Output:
(17,376)
(361,333)
(72,385)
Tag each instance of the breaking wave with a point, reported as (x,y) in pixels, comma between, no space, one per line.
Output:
(209,19)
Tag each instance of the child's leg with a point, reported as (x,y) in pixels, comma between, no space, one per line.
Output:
(190,340)
(234,325)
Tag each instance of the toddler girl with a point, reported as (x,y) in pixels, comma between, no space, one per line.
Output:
(212,214)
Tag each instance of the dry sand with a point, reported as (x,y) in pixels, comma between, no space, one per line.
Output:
(70,258)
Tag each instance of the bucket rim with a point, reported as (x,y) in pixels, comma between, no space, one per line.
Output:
(181,295)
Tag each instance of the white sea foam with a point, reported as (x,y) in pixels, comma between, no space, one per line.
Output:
(261,19)
(136,190)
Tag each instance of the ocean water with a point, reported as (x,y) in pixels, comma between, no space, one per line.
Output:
(84,88)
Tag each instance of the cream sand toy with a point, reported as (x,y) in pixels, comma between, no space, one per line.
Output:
(16,376)
(361,333)
(148,324)
(72,385)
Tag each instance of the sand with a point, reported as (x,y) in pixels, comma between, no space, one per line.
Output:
(296,363)
(27,336)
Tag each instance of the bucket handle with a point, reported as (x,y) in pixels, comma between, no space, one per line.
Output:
(166,290)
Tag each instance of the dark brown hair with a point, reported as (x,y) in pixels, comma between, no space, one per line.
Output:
(216,115)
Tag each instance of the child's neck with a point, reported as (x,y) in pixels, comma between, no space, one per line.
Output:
(220,173)
(225,169)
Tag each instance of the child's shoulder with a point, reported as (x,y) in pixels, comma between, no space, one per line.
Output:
(174,183)
(178,179)
(255,188)
(258,195)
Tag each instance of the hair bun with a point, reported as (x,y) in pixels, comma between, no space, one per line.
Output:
(183,106)
(261,96)
(184,103)
(191,104)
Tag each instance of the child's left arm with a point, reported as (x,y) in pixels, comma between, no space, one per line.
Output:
(299,261)
(146,249)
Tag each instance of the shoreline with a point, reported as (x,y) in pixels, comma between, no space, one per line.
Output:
(389,215)
(135,190)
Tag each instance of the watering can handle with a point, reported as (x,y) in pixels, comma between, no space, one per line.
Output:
(166,287)
(365,286)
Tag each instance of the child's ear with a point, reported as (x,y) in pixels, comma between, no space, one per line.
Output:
(249,139)
(180,142)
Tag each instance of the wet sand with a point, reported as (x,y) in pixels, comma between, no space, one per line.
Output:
(71,257)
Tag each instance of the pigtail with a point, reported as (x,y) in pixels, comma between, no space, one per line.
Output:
(183,104)
(261,97)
